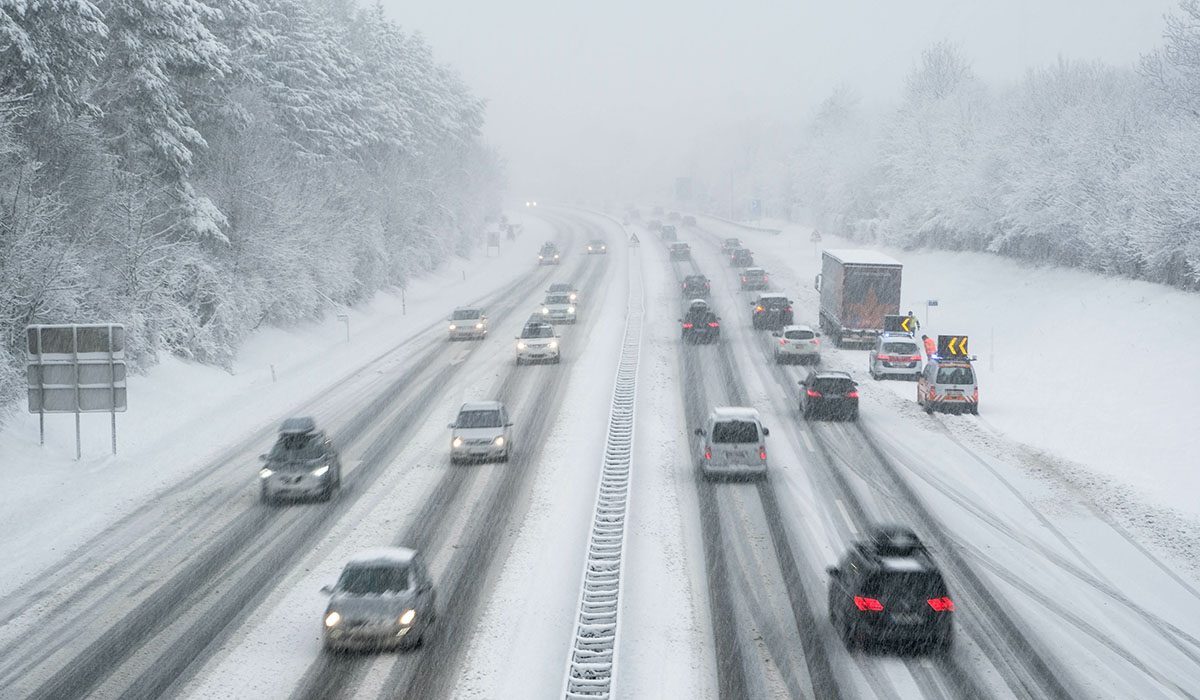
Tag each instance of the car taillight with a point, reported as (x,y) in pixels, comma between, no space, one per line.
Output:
(816,341)
(707,285)
(707,453)
(813,393)
(865,604)
(787,309)
(758,309)
(852,394)
(943,604)
(743,278)
(687,325)
(975,396)
(712,324)
(783,341)
(885,358)
(914,358)
(762,452)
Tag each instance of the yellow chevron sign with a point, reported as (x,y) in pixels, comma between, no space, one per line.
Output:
(906,324)
(952,346)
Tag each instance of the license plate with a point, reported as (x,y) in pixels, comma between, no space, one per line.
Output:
(907,618)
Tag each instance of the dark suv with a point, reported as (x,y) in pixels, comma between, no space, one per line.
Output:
(741,257)
(888,589)
(755,278)
(548,255)
(700,324)
(696,287)
(668,233)
(771,312)
(680,251)
(303,462)
(829,394)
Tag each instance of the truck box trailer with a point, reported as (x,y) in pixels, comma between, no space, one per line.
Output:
(858,288)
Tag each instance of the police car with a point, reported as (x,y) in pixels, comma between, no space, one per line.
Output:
(948,382)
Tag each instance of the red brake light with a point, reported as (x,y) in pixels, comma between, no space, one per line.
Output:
(712,324)
(787,308)
(853,394)
(762,452)
(687,325)
(813,393)
(783,341)
(743,278)
(915,358)
(866,604)
(943,604)
(975,395)
(708,454)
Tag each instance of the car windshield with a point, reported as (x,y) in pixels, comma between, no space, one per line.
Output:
(297,446)
(558,299)
(735,431)
(478,419)
(955,375)
(904,584)
(799,335)
(696,280)
(465,314)
(900,348)
(832,385)
(367,580)
(537,332)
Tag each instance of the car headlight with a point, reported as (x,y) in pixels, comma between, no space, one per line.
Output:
(520,344)
(572,297)
(499,441)
(458,442)
(321,471)
(570,309)
(540,257)
(556,256)
(553,344)
(453,327)
(545,310)
(333,619)
(264,473)
(408,617)
(479,326)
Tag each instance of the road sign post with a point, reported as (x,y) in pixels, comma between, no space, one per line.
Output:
(929,304)
(345,318)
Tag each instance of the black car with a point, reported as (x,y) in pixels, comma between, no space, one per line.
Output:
(681,251)
(755,278)
(597,247)
(700,324)
(771,312)
(696,287)
(549,255)
(741,257)
(668,233)
(887,589)
(829,394)
(302,463)
(730,244)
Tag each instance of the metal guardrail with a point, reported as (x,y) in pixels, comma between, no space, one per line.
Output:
(592,663)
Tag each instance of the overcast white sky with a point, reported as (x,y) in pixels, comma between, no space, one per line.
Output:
(583,92)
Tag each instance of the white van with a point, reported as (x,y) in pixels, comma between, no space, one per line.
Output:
(733,444)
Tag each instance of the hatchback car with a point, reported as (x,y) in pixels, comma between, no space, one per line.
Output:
(564,288)
(680,251)
(558,308)
(741,258)
(771,312)
(696,287)
(733,444)
(302,463)
(700,324)
(755,278)
(895,355)
(597,247)
(948,385)
(887,589)
(829,394)
(797,344)
(538,342)
(481,432)
(549,255)
(383,599)
(668,232)
(468,324)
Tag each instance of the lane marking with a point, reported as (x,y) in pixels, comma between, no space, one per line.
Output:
(846,516)
(807,441)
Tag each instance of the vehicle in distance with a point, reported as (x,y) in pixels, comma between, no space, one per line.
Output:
(558,308)
(771,312)
(888,589)
(564,288)
(829,394)
(597,247)
(668,233)
(699,324)
(858,289)
(689,220)
(481,432)
(549,255)
(741,257)
(654,225)
(755,278)
(467,323)
(948,385)
(384,599)
(531,203)
(797,344)
(301,463)
(696,287)
(673,216)
(680,251)
(538,342)
(733,444)
(895,355)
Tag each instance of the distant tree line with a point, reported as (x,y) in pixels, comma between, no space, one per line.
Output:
(1078,164)
(197,168)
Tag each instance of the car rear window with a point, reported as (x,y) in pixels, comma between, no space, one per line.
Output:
(894,585)
(537,332)
(799,335)
(773,302)
(735,431)
(465,314)
(478,419)
(955,375)
(365,580)
(833,385)
(900,348)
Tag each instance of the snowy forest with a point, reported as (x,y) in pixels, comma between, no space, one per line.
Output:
(197,168)
(1078,163)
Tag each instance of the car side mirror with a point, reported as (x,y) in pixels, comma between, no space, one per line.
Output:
(833,571)
(327,589)
(766,431)
(699,431)
(451,426)
(817,335)
(776,334)
(262,458)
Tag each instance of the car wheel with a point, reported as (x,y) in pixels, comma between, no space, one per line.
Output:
(519,362)
(557,359)
(928,408)
(853,415)
(974,410)
(778,359)
(266,496)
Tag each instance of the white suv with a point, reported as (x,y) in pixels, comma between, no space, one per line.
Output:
(481,432)
(948,385)
(538,342)
(558,308)
(797,344)
(468,323)
(734,444)
(895,355)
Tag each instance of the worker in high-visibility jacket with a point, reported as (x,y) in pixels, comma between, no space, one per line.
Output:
(930,346)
